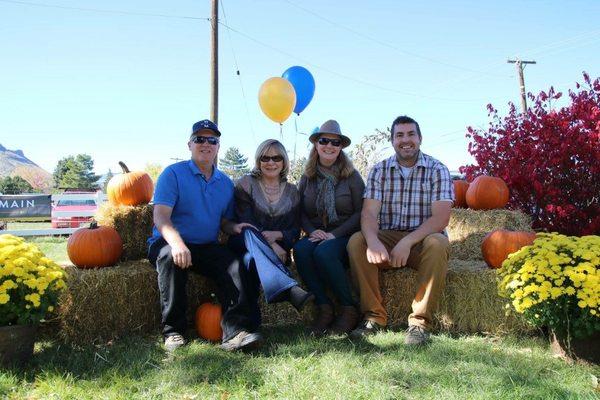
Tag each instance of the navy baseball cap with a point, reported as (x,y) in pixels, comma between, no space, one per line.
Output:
(205,124)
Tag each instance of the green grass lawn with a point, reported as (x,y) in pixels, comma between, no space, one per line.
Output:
(28,225)
(54,247)
(292,365)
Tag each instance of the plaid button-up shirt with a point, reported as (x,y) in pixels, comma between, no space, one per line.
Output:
(406,202)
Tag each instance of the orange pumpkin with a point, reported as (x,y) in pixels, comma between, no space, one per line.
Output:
(487,193)
(460,193)
(95,247)
(208,322)
(130,188)
(498,244)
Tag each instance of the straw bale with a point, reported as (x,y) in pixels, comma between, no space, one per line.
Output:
(102,304)
(470,302)
(467,228)
(105,303)
(134,224)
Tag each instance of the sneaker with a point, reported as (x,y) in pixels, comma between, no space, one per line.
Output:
(366,328)
(173,342)
(416,336)
(243,341)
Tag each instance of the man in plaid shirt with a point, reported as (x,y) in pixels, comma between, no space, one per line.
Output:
(406,209)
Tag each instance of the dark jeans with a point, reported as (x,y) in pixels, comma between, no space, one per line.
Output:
(263,264)
(214,261)
(322,264)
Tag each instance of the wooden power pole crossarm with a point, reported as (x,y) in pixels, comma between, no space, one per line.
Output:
(519,64)
(214,63)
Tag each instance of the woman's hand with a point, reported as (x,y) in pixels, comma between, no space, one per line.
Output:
(272,236)
(237,228)
(329,236)
(319,235)
(281,253)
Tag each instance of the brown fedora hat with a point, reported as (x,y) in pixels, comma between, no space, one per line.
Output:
(333,128)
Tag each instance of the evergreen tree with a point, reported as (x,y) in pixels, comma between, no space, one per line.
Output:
(75,172)
(234,163)
(14,185)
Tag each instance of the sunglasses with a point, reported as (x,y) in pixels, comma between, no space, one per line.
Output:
(266,159)
(203,139)
(325,141)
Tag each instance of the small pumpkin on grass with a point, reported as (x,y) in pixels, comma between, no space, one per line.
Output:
(208,321)
(130,188)
(460,193)
(498,244)
(487,193)
(95,247)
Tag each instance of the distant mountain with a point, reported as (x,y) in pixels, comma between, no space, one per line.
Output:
(14,163)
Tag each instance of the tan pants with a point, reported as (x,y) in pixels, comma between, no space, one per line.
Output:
(429,258)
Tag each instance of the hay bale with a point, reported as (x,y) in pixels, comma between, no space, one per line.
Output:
(134,224)
(104,303)
(107,303)
(470,302)
(467,228)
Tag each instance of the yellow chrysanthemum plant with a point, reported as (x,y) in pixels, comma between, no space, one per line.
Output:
(30,283)
(555,282)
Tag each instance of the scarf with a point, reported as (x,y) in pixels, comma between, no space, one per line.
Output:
(326,181)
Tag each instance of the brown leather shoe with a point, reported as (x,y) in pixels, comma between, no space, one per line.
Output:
(346,321)
(322,320)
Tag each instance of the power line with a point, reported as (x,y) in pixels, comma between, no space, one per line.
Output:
(347,77)
(105,11)
(374,40)
(548,47)
(237,70)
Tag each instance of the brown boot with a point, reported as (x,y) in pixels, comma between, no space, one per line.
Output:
(322,320)
(346,321)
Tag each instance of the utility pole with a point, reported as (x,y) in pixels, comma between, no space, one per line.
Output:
(214,63)
(520,65)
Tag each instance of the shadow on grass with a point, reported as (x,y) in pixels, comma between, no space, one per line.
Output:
(448,364)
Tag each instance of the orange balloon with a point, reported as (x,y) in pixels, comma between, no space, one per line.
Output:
(277,99)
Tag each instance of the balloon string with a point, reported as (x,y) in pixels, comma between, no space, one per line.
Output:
(296,135)
(281,131)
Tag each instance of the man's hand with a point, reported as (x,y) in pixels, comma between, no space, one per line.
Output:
(181,256)
(281,253)
(317,235)
(237,228)
(377,253)
(272,236)
(400,253)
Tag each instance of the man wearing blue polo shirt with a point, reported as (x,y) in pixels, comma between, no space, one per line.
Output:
(192,201)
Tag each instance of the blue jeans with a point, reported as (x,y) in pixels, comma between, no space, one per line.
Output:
(265,268)
(322,265)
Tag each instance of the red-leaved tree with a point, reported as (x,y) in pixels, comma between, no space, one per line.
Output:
(549,158)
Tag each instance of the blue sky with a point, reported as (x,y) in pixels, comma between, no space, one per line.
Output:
(128,87)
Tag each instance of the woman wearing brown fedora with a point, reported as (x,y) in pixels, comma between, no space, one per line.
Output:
(331,193)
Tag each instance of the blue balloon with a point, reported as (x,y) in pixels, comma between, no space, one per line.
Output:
(304,85)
